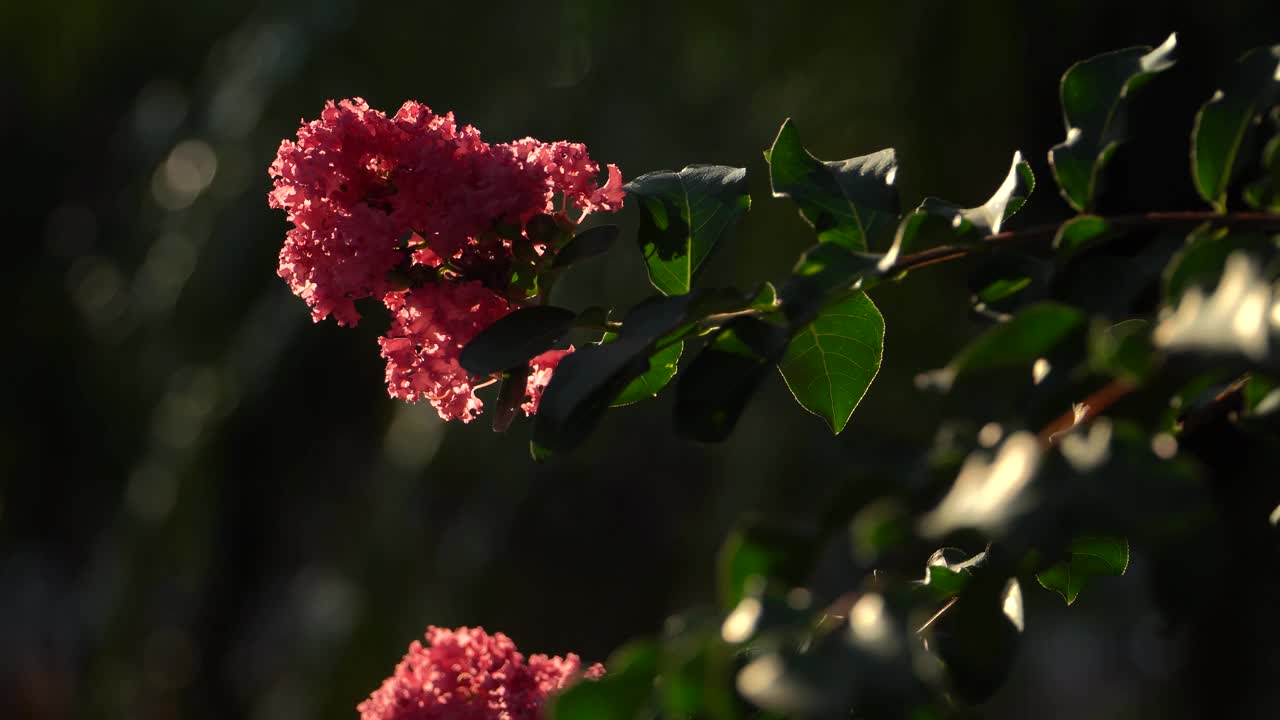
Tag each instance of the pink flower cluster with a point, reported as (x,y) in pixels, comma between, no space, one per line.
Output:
(467,674)
(417,196)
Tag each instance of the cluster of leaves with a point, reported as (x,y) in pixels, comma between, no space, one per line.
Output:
(1127,338)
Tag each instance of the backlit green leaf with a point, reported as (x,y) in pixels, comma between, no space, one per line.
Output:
(1088,557)
(978,222)
(684,216)
(1078,233)
(1224,123)
(850,202)
(662,367)
(831,362)
(1094,93)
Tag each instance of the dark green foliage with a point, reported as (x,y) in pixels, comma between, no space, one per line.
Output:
(758,554)
(624,693)
(977,637)
(587,381)
(713,391)
(1126,352)
(515,339)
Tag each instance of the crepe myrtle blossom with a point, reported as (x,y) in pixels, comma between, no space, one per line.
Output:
(468,674)
(419,212)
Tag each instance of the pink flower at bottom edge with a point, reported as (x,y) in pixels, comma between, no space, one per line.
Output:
(468,674)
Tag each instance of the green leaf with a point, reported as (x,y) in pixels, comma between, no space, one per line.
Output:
(715,388)
(515,339)
(685,214)
(850,202)
(1005,280)
(1028,336)
(1094,94)
(830,363)
(1002,289)
(1078,233)
(986,219)
(948,570)
(662,368)
(624,693)
(1089,557)
(757,553)
(586,244)
(1223,124)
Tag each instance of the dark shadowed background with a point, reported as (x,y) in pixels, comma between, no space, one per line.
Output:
(209,507)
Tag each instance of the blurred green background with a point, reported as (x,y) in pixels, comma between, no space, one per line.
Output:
(208,505)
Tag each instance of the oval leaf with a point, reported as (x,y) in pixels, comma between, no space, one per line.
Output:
(831,362)
(586,244)
(685,214)
(515,339)
(1078,233)
(714,389)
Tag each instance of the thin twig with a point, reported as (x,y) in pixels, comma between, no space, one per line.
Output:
(1190,219)
(1086,410)
(940,613)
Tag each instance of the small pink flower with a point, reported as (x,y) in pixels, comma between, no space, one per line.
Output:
(467,674)
(540,371)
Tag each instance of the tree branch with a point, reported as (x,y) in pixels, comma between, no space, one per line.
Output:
(1170,220)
